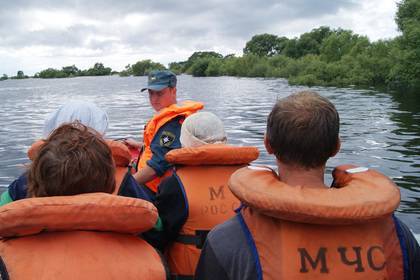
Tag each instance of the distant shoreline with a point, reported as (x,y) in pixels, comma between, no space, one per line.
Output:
(321,57)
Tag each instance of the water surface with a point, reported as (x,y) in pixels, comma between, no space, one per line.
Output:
(378,130)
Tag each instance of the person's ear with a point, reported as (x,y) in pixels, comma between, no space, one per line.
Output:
(337,149)
(267,145)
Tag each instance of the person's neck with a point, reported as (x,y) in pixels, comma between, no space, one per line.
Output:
(157,112)
(299,176)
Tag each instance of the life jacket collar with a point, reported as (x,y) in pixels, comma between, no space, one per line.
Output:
(212,154)
(91,212)
(358,195)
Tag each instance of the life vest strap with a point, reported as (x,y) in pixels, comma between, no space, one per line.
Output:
(181,277)
(198,239)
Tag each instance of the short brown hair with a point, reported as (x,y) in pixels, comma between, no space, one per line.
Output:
(74,159)
(302,129)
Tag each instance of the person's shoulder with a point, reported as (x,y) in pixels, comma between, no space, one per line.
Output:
(230,247)
(229,225)
(403,231)
(410,248)
(226,235)
(18,188)
(172,125)
(176,121)
(168,134)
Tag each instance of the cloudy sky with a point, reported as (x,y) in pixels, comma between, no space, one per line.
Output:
(35,35)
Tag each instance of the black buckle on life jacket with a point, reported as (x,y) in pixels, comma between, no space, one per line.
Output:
(198,239)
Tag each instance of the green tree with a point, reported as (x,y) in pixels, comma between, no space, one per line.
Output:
(259,69)
(277,64)
(198,69)
(376,62)
(262,45)
(177,67)
(290,48)
(310,42)
(339,43)
(21,75)
(142,68)
(214,68)
(229,65)
(408,14)
(246,64)
(51,73)
(4,77)
(127,71)
(406,70)
(97,70)
(206,54)
(71,71)
(282,42)
(198,56)
(229,56)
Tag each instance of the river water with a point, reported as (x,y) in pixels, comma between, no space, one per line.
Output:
(378,130)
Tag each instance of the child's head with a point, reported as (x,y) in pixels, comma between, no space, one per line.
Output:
(74,159)
(202,128)
(302,130)
(85,112)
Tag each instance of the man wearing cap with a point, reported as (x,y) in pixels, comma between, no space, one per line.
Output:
(161,133)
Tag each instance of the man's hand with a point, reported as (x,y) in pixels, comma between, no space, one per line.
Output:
(132,144)
(145,175)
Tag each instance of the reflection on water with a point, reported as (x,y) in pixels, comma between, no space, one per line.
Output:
(378,130)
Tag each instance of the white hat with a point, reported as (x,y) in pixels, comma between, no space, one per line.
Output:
(202,128)
(86,112)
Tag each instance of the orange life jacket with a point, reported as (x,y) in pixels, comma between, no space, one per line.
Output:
(299,232)
(89,236)
(152,127)
(120,154)
(204,172)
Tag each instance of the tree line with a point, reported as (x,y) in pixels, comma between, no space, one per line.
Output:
(140,68)
(323,56)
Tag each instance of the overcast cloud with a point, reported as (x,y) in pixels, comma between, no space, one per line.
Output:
(35,35)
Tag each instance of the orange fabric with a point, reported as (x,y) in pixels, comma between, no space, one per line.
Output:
(209,200)
(213,154)
(87,236)
(366,196)
(152,127)
(369,250)
(120,153)
(122,158)
(94,211)
(81,255)
(33,150)
(315,233)
(120,173)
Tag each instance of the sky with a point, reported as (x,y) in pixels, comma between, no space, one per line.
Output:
(36,35)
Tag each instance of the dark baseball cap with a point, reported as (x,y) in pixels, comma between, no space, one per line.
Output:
(160,79)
